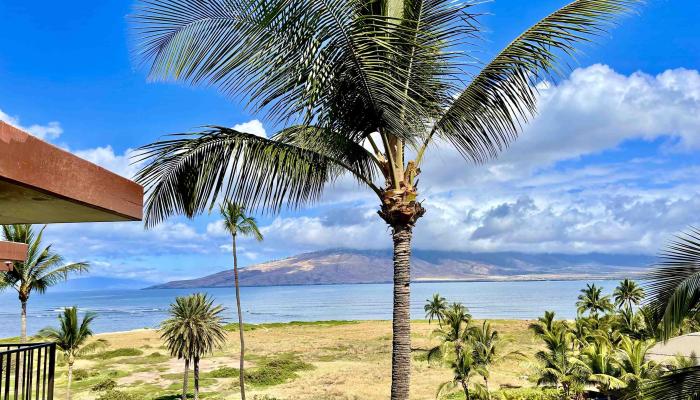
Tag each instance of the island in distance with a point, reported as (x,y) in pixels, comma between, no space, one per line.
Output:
(375,266)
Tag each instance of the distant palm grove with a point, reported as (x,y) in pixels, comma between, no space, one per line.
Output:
(363,88)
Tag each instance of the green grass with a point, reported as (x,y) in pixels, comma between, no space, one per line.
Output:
(233,327)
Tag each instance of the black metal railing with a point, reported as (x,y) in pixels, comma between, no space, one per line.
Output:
(27,371)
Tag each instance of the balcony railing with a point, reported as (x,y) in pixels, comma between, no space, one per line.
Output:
(27,371)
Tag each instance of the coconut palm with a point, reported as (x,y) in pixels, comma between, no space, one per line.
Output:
(627,294)
(674,296)
(435,308)
(195,328)
(237,223)
(486,350)
(601,367)
(636,370)
(560,367)
(42,269)
(363,88)
(453,333)
(72,338)
(591,300)
(464,369)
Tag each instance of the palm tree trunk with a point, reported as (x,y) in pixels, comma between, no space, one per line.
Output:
(241,375)
(401,343)
(70,378)
(465,387)
(196,378)
(23,332)
(185,378)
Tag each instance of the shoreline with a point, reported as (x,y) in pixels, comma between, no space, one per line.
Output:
(496,279)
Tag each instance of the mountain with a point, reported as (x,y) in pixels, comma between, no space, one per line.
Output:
(370,266)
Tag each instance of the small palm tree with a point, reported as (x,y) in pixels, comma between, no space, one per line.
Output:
(464,369)
(486,350)
(591,300)
(238,223)
(560,367)
(453,333)
(435,308)
(627,294)
(599,359)
(72,338)
(367,87)
(195,328)
(636,370)
(42,269)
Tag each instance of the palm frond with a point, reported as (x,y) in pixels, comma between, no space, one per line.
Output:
(187,173)
(674,285)
(297,58)
(488,114)
(680,384)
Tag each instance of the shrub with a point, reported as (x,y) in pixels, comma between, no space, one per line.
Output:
(105,384)
(81,374)
(116,395)
(224,372)
(277,370)
(123,352)
(527,394)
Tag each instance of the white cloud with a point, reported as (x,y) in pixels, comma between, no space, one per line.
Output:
(122,164)
(254,127)
(50,131)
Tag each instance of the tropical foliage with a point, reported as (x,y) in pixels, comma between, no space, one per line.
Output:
(362,88)
(42,269)
(72,338)
(470,351)
(195,328)
(236,222)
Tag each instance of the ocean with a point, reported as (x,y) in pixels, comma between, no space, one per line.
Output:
(121,310)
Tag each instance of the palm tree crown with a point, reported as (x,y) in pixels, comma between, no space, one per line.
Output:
(237,222)
(628,293)
(195,327)
(42,269)
(435,308)
(591,300)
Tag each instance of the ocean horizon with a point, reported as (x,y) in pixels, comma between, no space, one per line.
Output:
(123,310)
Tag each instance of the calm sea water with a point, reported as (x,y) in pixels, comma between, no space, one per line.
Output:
(132,309)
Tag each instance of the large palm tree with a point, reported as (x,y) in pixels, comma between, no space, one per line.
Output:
(195,328)
(363,88)
(591,300)
(72,338)
(42,269)
(238,223)
(435,308)
(628,293)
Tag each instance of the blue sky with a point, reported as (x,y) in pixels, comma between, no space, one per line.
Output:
(610,164)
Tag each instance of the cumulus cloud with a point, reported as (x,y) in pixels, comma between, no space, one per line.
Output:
(122,164)
(254,127)
(50,131)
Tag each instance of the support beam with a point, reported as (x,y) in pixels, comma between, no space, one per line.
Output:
(40,183)
(10,252)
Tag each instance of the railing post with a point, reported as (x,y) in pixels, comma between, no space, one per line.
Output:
(52,369)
